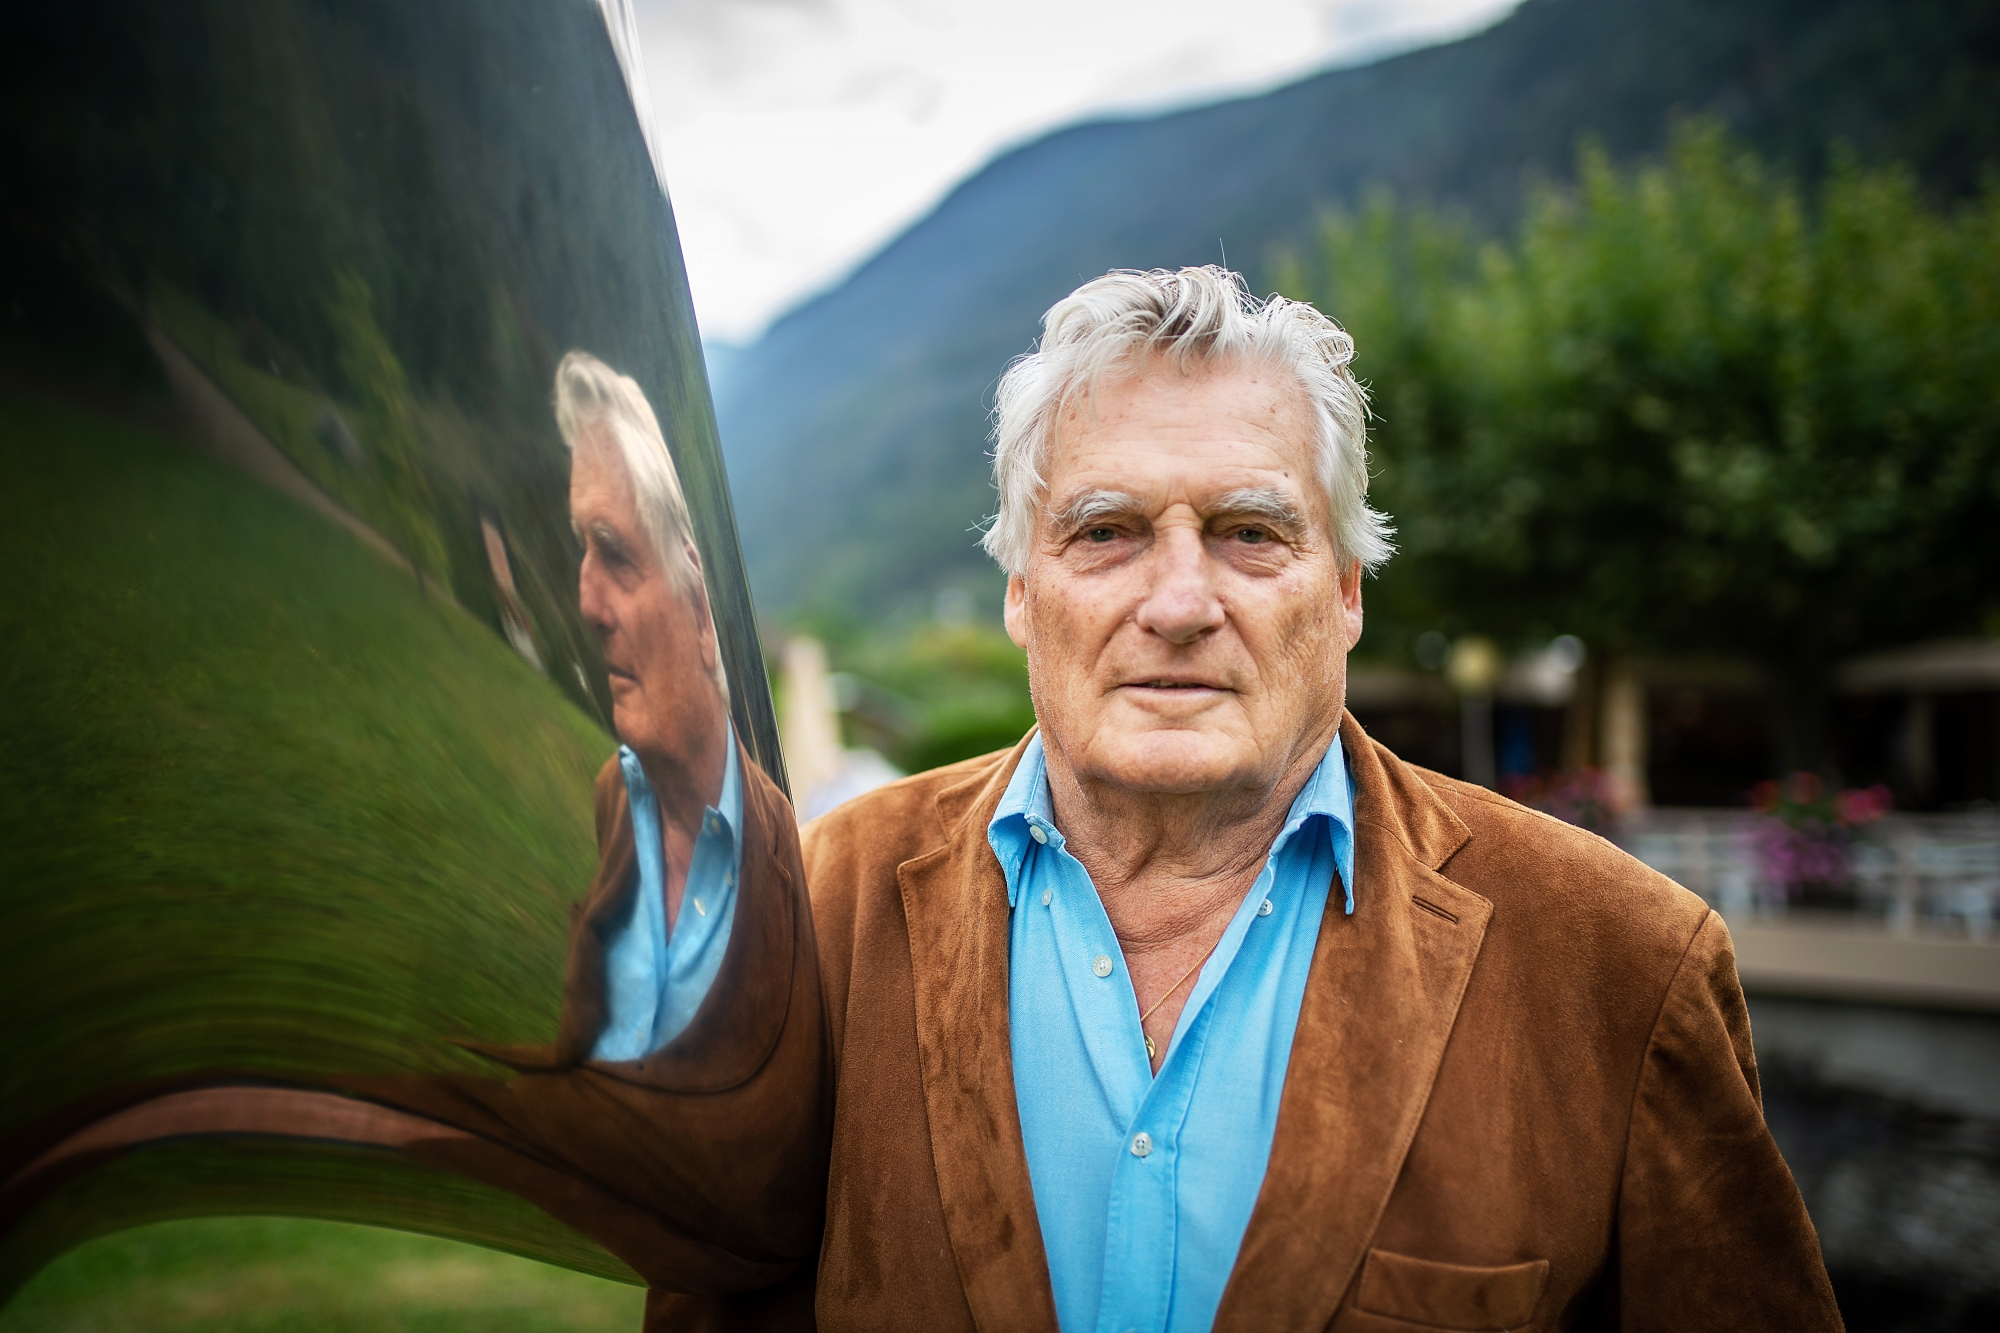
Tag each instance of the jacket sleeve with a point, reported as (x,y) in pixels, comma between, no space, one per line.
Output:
(1712,1233)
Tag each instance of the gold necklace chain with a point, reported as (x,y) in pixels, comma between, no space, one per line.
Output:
(1163,998)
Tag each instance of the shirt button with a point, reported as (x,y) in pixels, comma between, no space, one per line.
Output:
(1046,895)
(1142,1144)
(1264,908)
(1102,966)
(1035,832)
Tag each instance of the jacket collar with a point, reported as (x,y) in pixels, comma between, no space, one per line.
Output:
(1380,1001)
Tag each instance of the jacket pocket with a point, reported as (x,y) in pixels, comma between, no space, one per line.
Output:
(1454,1296)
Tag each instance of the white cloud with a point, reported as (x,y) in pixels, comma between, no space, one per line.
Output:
(799,135)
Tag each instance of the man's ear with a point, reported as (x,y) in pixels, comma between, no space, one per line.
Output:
(1016,613)
(1350,601)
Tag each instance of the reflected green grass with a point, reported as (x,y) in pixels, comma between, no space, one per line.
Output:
(253,1274)
(265,807)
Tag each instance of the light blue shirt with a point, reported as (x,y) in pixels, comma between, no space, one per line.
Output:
(655,981)
(1143,1185)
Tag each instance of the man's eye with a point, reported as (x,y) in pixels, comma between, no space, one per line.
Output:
(1101,534)
(1252,535)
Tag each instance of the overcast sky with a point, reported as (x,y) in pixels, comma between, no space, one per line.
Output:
(799,135)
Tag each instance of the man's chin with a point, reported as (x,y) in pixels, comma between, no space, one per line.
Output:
(630,723)
(1171,763)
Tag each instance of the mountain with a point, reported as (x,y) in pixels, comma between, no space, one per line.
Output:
(855,428)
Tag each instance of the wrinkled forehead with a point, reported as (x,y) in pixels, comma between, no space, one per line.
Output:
(596,462)
(600,483)
(1162,435)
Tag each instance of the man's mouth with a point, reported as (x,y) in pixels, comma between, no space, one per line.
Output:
(1166,683)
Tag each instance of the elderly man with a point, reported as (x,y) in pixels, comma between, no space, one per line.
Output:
(1197,1008)
(640,591)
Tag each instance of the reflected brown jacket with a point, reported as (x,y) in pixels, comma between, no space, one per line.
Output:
(1521,1095)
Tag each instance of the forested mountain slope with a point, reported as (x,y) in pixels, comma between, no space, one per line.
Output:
(855,429)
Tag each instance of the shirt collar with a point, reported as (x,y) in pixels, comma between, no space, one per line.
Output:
(1327,794)
(726,815)
(1025,809)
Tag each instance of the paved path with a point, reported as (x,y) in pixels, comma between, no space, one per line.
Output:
(224,432)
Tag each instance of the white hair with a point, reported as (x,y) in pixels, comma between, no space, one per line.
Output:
(1197,316)
(590,393)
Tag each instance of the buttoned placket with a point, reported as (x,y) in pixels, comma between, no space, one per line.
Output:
(1119,1158)
(1138,1269)
(712,824)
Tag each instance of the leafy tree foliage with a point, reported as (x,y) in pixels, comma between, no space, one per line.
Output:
(1686,409)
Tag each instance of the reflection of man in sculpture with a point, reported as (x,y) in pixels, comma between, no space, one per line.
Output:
(640,591)
(680,1117)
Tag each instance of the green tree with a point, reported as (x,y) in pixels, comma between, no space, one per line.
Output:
(1685,409)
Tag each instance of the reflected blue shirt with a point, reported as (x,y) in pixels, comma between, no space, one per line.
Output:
(654,981)
(1143,1185)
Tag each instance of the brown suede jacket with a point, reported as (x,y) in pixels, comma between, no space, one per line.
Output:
(1521,1095)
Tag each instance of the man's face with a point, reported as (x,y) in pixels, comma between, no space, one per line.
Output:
(1185,617)
(658,639)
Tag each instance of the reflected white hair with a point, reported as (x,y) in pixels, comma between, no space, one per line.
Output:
(590,393)
(1197,317)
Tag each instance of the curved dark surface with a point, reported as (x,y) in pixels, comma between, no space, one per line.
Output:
(299,718)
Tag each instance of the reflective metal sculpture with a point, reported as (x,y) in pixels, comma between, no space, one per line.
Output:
(300,714)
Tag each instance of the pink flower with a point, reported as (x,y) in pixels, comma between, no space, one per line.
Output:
(1862,806)
(1808,853)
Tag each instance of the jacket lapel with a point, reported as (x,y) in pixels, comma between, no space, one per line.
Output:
(1380,1001)
(955,901)
(607,901)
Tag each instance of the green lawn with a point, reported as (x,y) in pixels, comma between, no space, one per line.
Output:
(264,807)
(280,1275)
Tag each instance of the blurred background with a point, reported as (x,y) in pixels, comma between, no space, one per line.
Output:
(1682,321)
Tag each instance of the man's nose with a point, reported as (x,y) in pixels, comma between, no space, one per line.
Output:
(590,600)
(1180,603)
